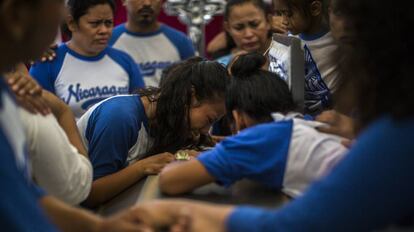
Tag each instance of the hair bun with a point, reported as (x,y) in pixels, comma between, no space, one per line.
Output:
(246,64)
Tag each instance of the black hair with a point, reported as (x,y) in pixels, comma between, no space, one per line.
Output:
(79,8)
(258,3)
(304,6)
(170,128)
(255,91)
(377,69)
(166,71)
(230,44)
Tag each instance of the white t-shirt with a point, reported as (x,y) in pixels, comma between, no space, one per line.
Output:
(57,166)
(311,155)
(82,81)
(288,154)
(115,132)
(321,72)
(153,51)
(320,49)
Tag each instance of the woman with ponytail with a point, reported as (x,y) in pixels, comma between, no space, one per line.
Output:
(274,146)
(131,136)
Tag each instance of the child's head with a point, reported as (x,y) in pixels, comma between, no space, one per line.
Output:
(189,100)
(302,16)
(247,24)
(337,23)
(253,93)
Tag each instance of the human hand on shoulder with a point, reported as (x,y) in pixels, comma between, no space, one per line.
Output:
(28,92)
(48,55)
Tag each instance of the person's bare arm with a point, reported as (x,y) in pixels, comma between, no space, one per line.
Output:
(105,188)
(68,218)
(34,99)
(183,176)
(66,119)
(217,43)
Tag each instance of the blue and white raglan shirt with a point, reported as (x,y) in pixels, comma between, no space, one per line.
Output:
(287,154)
(370,189)
(321,72)
(82,81)
(115,133)
(153,51)
(19,209)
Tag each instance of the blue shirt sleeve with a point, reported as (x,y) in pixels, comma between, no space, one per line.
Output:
(180,41)
(40,72)
(45,73)
(38,191)
(370,189)
(116,33)
(129,65)
(251,155)
(111,131)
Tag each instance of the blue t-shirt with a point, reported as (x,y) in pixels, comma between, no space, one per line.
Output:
(288,154)
(19,209)
(372,188)
(82,81)
(258,153)
(153,51)
(115,133)
(225,60)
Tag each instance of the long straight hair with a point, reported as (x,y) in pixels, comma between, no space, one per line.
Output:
(170,128)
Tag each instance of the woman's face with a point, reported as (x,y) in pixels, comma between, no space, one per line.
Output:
(204,115)
(293,19)
(249,28)
(94,29)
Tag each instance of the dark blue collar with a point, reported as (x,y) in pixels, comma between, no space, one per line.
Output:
(310,37)
(86,58)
